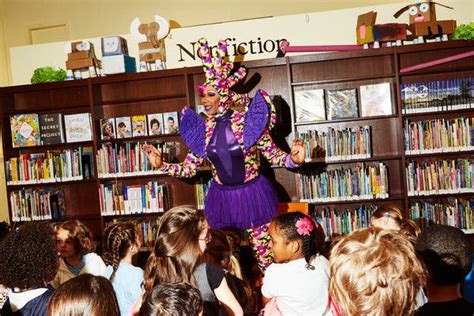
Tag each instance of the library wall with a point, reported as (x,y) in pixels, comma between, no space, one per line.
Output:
(4,67)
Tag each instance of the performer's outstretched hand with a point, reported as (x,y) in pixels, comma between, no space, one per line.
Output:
(298,151)
(153,154)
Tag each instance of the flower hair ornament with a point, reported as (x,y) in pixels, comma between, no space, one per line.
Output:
(304,226)
(217,71)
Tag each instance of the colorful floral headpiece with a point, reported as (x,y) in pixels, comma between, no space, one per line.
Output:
(217,72)
(304,226)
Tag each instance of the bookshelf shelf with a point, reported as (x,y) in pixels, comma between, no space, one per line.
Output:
(442,195)
(441,155)
(357,201)
(351,120)
(52,183)
(440,114)
(155,138)
(125,101)
(322,161)
(135,215)
(351,79)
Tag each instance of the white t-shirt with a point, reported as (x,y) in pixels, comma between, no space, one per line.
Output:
(298,291)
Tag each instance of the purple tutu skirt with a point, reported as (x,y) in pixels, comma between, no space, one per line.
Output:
(243,206)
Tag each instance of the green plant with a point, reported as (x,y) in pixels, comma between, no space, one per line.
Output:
(464,31)
(48,74)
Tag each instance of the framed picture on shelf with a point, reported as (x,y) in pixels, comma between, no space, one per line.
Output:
(123,126)
(139,126)
(376,100)
(155,124)
(107,129)
(341,104)
(309,105)
(171,122)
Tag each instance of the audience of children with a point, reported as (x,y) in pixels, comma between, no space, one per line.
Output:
(192,270)
(85,295)
(29,261)
(297,282)
(445,253)
(178,257)
(172,299)
(76,248)
(120,243)
(374,272)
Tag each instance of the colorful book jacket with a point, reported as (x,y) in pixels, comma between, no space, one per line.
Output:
(25,130)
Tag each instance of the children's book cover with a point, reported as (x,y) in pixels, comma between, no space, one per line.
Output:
(309,105)
(171,122)
(107,128)
(25,130)
(342,104)
(155,124)
(51,127)
(123,127)
(139,126)
(78,127)
(376,100)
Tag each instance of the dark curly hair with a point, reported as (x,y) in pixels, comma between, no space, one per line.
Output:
(286,225)
(29,256)
(80,236)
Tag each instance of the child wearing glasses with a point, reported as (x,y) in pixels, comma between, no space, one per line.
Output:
(177,257)
(297,282)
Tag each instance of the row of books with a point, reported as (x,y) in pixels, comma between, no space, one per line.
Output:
(139,125)
(48,129)
(120,199)
(52,166)
(128,159)
(438,136)
(336,145)
(441,95)
(201,192)
(320,104)
(342,222)
(43,204)
(147,230)
(439,177)
(364,182)
(453,212)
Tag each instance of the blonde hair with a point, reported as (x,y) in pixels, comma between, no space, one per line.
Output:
(407,226)
(375,272)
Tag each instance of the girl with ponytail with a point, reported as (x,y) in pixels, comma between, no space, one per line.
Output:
(297,282)
(120,243)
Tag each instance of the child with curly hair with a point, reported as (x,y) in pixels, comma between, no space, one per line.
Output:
(120,243)
(298,280)
(29,260)
(76,248)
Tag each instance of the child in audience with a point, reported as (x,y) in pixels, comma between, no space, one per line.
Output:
(177,257)
(445,253)
(120,243)
(28,261)
(177,299)
(391,217)
(85,295)
(75,245)
(297,281)
(218,252)
(374,271)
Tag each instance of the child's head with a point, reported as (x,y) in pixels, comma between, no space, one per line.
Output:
(120,239)
(177,299)
(445,253)
(29,258)
(218,251)
(391,217)
(181,240)
(73,238)
(375,272)
(84,295)
(295,235)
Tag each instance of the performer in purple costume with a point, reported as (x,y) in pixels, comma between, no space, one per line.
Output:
(238,196)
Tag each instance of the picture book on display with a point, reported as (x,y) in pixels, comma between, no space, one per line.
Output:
(123,127)
(155,124)
(376,100)
(78,127)
(341,104)
(107,129)
(25,130)
(51,127)
(171,122)
(309,105)
(139,126)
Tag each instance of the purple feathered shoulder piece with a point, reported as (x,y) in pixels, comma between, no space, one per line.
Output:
(256,119)
(193,130)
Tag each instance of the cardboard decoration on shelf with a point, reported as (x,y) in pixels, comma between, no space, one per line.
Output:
(81,61)
(367,32)
(115,58)
(151,45)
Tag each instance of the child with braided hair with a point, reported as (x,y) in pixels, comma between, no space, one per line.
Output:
(298,280)
(120,244)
